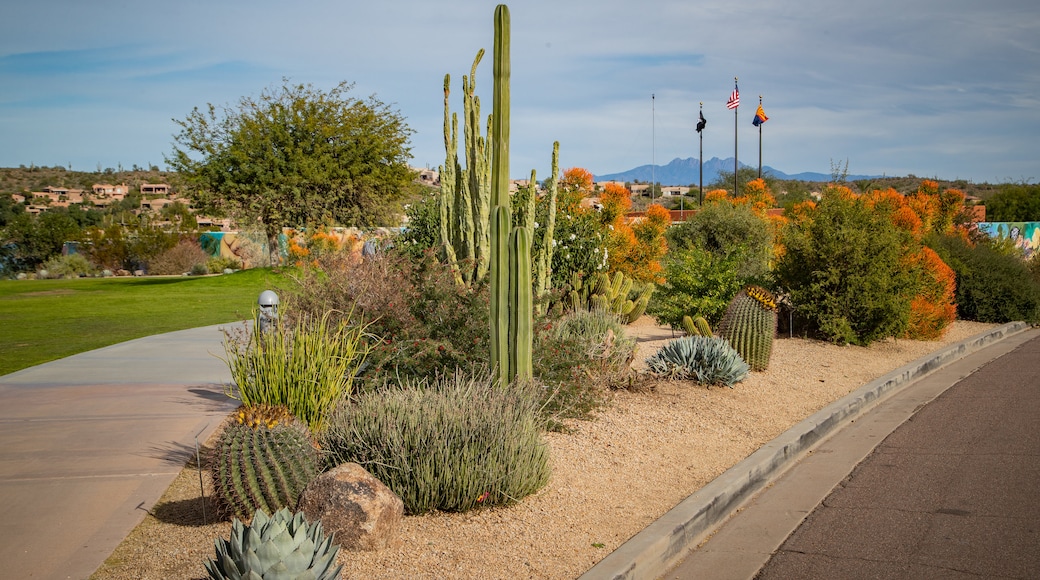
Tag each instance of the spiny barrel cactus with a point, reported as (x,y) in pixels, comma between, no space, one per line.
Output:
(263,459)
(706,360)
(281,546)
(750,325)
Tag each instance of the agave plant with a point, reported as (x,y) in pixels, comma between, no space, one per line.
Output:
(283,546)
(704,359)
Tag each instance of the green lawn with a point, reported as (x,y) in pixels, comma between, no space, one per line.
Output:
(44,320)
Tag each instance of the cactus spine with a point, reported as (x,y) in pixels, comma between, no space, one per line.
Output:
(510,265)
(262,464)
(750,325)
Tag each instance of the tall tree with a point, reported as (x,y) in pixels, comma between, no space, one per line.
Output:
(297,156)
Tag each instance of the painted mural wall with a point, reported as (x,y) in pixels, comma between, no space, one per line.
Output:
(1026,235)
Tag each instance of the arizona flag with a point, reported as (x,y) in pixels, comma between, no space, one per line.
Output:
(760,116)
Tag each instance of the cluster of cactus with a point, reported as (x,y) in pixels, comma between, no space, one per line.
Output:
(467,201)
(606,294)
(263,459)
(696,326)
(750,325)
(281,546)
(706,360)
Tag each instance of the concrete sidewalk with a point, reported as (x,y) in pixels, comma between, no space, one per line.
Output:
(89,443)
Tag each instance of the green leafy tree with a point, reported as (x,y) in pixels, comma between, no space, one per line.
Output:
(745,175)
(1014,203)
(296,156)
(36,238)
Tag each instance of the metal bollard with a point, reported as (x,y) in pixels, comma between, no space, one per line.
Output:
(268,302)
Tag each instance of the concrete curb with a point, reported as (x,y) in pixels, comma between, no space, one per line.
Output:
(661,545)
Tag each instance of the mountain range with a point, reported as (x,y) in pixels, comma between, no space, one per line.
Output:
(686,172)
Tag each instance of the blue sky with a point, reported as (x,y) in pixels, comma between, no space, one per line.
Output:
(934,88)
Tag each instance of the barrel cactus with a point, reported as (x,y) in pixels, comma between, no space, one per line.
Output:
(706,360)
(281,546)
(263,459)
(750,325)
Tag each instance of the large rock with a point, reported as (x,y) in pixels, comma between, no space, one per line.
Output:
(362,512)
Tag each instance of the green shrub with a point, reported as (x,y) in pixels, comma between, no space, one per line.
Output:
(452,443)
(725,229)
(696,282)
(846,273)
(219,264)
(307,366)
(180,259)
(992,286)
(574,357)
(426,323)
(69,266)
(708,360)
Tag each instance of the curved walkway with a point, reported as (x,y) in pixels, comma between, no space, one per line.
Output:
(89,443)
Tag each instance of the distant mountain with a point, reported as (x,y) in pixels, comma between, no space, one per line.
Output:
(685,172)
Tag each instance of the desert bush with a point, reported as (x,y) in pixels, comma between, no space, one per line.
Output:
(424,321)
(575,358)
(452,443)
(219,264)
(933,308)
(845,272)
(68,266)
(697,281)
(708,360)
(307,366)
(724,229)
(992,286)
(180,259)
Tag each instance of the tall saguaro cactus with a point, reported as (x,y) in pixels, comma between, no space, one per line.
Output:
(510,267)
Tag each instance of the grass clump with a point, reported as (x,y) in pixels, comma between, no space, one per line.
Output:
(308,367)
(452,443)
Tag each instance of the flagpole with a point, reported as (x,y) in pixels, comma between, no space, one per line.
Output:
(700,161)
(760,141)
(735,162)
(653,146)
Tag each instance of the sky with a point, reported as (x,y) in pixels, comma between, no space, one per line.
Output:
(945,89)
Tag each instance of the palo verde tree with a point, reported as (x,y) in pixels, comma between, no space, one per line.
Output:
(296,156)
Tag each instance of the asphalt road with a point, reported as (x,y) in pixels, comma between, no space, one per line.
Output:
(953,493)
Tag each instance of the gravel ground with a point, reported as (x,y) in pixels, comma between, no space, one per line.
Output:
(612,476)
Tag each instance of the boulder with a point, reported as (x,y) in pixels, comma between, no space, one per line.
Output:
(351,503)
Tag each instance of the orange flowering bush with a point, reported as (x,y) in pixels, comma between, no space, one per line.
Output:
(933,309)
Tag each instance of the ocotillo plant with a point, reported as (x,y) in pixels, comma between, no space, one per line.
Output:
(750,325)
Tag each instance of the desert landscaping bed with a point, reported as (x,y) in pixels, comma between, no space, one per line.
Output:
(641,455)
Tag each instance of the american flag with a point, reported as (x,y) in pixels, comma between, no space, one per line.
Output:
(734,99)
